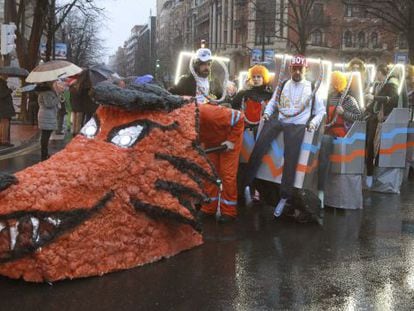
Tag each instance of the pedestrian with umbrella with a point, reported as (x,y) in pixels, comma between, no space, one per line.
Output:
(45,75)
(6,102)
(47,116)
(6,112)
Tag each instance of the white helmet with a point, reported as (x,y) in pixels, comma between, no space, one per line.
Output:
(203,55)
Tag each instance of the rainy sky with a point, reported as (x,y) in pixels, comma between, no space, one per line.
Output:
(122,16)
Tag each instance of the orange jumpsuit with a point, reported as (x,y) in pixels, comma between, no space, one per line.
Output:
(218,124)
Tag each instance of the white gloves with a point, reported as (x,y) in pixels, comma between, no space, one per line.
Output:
(369,98)
(311,127)
(201,99)
(228,144)
(266,117)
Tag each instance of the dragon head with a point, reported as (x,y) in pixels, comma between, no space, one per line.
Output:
(121,194)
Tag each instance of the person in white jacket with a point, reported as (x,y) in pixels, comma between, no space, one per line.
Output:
(298,109)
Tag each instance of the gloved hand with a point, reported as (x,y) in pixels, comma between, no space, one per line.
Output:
(311,127)
(228,144)
(340,110)
(369,98)
(201,99)
(266,117)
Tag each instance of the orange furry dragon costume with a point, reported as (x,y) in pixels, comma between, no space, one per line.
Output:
(120,195)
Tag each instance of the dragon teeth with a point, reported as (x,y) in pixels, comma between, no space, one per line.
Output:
(13,235)
(35,226)
(54,221)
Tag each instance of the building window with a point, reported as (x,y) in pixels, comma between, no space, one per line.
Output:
(348,39)
(348,10)
(316,38)
(402,42)
(374,40)
(267,40)
(361,39)
(317,11)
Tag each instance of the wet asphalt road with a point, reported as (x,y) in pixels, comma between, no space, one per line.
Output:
(358,260)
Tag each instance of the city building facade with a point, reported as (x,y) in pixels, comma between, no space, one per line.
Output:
(250,31)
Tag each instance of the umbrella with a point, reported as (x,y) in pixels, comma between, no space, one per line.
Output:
(14,72)
(53,70)
(28,88)
(99,73)
(144,79)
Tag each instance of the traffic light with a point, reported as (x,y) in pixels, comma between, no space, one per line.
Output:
(8,37)
(157,64)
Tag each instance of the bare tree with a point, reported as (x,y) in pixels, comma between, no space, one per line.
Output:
(31,17)
(58,14)
(397,15)
(296,16)
(80,31)
(28,26)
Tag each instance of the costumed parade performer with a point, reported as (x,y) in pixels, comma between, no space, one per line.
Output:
(222,126)
(219,125)
(379,106)
(198,83)
(342,111)
(294,108)
(252,102)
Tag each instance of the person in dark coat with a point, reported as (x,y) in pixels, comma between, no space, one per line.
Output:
(198,85)
(6,112)
(33,108)
(379,107)
(83,107)
(47,117)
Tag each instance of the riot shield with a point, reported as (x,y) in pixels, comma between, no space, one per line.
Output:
(271,168)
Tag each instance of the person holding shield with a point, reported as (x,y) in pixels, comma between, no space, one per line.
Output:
(294,108)
(379,106)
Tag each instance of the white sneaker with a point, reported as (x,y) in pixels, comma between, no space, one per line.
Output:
(321,196)
(368,181)
(247,196)
(280,207)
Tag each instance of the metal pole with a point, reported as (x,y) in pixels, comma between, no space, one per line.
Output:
(263,40)
(53,16)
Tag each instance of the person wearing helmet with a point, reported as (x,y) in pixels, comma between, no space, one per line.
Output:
(198,85)
(299,108)
(252,102)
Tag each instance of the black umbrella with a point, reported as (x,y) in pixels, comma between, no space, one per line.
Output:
(99,73)
(14,72)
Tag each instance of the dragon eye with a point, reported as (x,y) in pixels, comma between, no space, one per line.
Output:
(126,137)
(90,129)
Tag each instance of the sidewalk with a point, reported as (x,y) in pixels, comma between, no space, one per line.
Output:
(22,136)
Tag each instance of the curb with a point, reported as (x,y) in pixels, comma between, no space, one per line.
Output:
(25,146)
